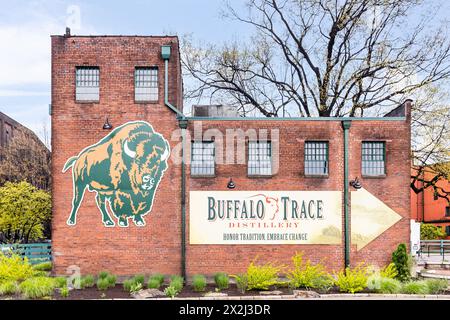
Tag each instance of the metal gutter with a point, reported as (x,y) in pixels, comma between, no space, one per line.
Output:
(346,124)
(297,119)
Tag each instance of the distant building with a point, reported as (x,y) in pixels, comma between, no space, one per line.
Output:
(23,156)
(428,207)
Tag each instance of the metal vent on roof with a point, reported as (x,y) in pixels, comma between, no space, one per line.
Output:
(217,110)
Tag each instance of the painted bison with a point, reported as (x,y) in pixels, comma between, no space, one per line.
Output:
(124,169)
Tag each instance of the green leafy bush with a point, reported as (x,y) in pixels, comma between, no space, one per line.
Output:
(44,266)
(103,284)
(15,268)
(241,282)
(222,280)
(8,287)
(87,281)
(402,262)
(306,275)
(352,280)
(37,287)
(177,283)
(199,282)
(436,286)
(261,277)
(171,291)
(390,271)
(60,282)
(157,277)
(384,285)
(431,232)
(64,292)
(415,287)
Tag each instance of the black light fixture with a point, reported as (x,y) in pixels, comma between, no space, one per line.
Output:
(231,184)
(356,184)
(107,125)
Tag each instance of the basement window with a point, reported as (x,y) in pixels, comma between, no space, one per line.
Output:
(316,158)
(87,84)
(203,158)
(373,158)
(146,84)
(259,158)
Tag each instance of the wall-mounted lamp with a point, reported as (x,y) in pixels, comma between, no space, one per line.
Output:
(107,125)
(231,184)
(356,184)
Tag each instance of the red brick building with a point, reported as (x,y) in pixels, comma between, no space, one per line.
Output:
(282,190)
(428,207)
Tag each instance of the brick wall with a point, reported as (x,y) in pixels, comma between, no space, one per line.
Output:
(156,247)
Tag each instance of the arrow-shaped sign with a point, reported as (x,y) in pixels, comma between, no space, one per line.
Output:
(370,217)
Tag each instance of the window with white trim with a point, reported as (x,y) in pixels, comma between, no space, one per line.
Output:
(87,84)
(316,158)
(203,158)
(259,158)
(373,158)
(146,84)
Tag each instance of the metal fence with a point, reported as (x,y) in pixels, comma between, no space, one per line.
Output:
(35,252)
(434,248)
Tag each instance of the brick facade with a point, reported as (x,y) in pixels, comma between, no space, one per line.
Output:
(157,246)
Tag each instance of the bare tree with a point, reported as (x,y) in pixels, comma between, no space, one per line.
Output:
(322,57)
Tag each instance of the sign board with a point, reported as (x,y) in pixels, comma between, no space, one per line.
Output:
(265,217)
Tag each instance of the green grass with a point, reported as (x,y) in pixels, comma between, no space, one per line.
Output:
(199,283)
(87,281)
(38,287)
(44,266)
(153,284)
(102,284)
(64,292)
(8,287)
(60,282)
(416,287)
(222,280)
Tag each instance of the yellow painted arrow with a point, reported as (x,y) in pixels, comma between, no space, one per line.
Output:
(370,217)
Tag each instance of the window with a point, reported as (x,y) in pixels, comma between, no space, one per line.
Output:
(146,84)
(87,84)
(203,158)
(316,158)
(447,230)
(259,158)
(447,211)
(373,158)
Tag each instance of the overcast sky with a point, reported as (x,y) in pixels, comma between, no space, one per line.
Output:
(26,26)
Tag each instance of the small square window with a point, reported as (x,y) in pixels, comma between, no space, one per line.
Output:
(145,84)
(203,158)
(259,158)
(316,158)
(373,158)
(87,84)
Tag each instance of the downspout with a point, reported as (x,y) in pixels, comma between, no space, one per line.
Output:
(182,122)
(346,126)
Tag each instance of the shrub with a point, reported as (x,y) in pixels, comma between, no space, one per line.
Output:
(103,274)
(102,284)
(415,287)
(153,283)
(64,292)
(261,277)
(431,232)
(140,278)
(135,287)
(352,280)
(127,285)
(384,285)
(87,281)
(390,271)
(111,280)
(15,268)
(8,287)
(222,280)
(44,266)
(60,282)
(199,282)
(436,286)
(402,263)
(157,277)
(171,291)
(306,275)
(177,283)
(241,282)
(37,287)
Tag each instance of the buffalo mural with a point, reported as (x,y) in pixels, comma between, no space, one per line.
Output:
(124,169)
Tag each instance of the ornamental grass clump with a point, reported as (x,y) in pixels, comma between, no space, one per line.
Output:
(37,287)
(222,280)
(352,280)
(306,275)
(436,286)
(416,287)
(199,283)
(262,277)
(241,282)
(87,281)
(44,266)
(177,282)
(385,285)
(155,281)
(60,282)
(8,287)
